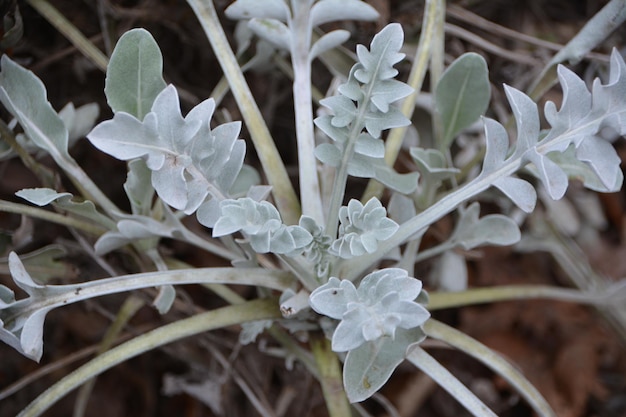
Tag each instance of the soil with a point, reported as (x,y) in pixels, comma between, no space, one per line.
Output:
(570,352)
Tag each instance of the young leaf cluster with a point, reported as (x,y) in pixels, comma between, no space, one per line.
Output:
(363,110)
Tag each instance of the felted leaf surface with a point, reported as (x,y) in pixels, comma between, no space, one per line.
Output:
(24,96)
(462,94)
(273,31)
(369,367)
(45,196)
(325,11)
(493,229)
(134,74)
(188,161)
(268,9)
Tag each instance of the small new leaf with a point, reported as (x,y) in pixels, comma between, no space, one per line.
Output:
(361,228)
(384,301)
(261,223)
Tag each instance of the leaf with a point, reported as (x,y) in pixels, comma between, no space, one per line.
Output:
(450,272)
(134,74)
(267,9)
(325,11)
(521,192)
(493,229)
(369,367)
(138,188)
(188,161)
(79,121)
(526,119)
(328,41)
(378,62)
(261,223)
(273,31)
(45,196)
(361,228)
(579,170)
(462,94)
(24,96)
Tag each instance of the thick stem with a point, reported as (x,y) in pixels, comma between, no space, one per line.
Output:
(330,377)
(263,309)
(310,195)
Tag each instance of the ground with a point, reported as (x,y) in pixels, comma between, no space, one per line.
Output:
(570,352)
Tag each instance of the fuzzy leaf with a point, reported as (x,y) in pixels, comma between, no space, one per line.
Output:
(450,272)
(79,121)
(325,11)
(138,187)
(267,9)
(370,366)
(134,74)
(526,119)
(383,302)
(361,228)
(261,223)
(186,158)
(462,94)
(493,229)
(579,170)
(520,192)
(273,31)
(328,41)
(24,96)
(65,201)
(377,63)
(432,165)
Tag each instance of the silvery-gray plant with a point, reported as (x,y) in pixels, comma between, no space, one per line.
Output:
(359,316)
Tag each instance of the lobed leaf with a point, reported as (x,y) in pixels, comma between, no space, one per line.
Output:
(25,97)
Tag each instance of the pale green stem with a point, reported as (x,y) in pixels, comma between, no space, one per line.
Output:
(393,144)
(60,295)
(436,69)
(310,195)
(284,194)
(263,309)
(422,360)
(442,300)
(56,19)
(491,359)
(131,305)
(50,216)
(330,377)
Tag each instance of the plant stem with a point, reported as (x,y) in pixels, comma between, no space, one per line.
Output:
(56,19)
(330,377)
(442,300)
(310,195)
(60,295)
(491,359)
(85,226)
(131,305)
(284,194)
(394,140)
(449,382)
(262,309)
